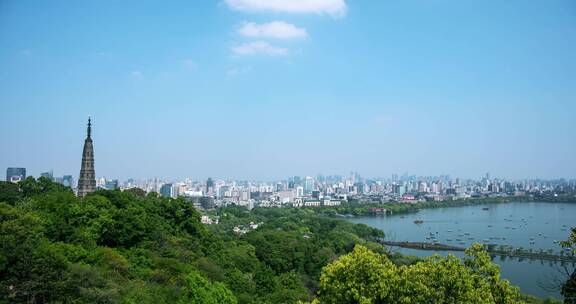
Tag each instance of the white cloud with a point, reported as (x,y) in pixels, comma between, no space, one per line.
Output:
(275,29)
(136,74)
(233,72)
(335,8)
(238,71)
(382,119)
(259,47)
(190,64)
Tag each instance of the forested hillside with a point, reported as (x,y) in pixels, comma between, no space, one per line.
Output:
(124,247)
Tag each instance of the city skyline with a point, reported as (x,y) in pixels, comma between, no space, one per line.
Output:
(406,176)
(88,160)
(266,92)
(89,154)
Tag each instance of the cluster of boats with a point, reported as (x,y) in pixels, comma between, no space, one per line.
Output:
(463,237)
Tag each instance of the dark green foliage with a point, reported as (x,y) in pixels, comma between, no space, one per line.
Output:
(127,247)
(136,191)
(569,289)
(110,247)
(32,267)
(534,300)
(9,192)
(299,240)
(30,186)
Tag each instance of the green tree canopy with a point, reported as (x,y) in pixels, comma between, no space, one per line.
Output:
(569,287)
(367,277)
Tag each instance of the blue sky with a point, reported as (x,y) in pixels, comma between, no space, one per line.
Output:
(268,89)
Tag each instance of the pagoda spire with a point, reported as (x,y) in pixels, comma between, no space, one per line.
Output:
(89,126)
(87,178)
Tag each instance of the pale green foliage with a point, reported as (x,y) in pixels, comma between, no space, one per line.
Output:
(481,264)
(441,280)
(370,278)
(199,290)
(569,287)
(359,277)
(571,242)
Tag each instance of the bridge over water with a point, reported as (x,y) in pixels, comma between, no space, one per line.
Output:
(492,251)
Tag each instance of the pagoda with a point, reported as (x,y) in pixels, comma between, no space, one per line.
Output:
(87,178)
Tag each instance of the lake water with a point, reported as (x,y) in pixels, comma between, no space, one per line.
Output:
(520,224)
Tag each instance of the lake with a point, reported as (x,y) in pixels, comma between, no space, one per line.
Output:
(531,225)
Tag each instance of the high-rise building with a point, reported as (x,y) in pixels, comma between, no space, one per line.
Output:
(399,189)
(166,190)
(15,175)
(308,185)
(209,187)
(49,175)
(87,179)
(67,181)
(299,191)
(111,184)
(297,180)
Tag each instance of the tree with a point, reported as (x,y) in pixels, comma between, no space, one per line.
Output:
(569,287)
(137,192)
(31,186)
(367,277)
(290,289)
(359,277)
(9,192)
(31,267)
(480,263)
(199,290)
(571,241)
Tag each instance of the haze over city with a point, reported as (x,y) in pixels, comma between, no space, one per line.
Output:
(241,89)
